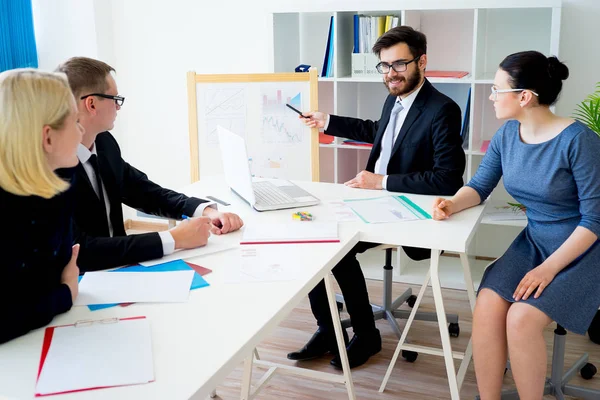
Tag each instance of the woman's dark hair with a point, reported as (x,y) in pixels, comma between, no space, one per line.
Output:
(534,71)
(416,41)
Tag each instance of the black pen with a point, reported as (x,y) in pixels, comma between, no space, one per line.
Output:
(302,115)
(222,202)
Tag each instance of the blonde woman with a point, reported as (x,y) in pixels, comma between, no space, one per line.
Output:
(39,133)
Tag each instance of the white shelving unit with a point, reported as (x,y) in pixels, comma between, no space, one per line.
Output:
(471,36)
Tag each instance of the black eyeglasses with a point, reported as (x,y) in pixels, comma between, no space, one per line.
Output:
(119,100)
(398,66)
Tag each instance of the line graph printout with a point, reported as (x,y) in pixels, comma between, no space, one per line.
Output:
(225,106)
(279,123)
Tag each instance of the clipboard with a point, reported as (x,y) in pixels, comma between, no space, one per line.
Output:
(87,355)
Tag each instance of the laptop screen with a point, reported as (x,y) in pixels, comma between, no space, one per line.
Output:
(235,164)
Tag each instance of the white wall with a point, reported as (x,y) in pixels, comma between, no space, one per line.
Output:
(63,29)
(153,43)
(579,49)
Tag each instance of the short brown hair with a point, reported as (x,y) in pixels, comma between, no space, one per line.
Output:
(415,40)
(86,74)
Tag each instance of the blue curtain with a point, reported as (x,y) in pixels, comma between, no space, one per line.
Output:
(17,38)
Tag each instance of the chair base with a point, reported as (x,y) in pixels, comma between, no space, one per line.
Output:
(389,310)
(557,385)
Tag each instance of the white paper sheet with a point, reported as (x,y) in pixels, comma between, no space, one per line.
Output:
(341,212)
(134,287)
(295,231)
(261,265)
(210,248)
(381,210)
(98,355)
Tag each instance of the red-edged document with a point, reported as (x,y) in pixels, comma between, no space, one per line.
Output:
(95,354)
(445,74)
(291,232)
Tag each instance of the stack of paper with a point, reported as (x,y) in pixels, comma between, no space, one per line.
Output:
(134,287)
(291,232)
(95,355)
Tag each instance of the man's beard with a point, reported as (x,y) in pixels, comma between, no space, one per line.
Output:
(411,83)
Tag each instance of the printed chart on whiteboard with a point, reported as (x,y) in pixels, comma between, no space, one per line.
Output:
(225,107)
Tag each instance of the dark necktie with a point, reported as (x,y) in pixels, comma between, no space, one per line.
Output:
(94,162)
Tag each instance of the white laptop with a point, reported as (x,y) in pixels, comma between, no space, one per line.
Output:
(275,194)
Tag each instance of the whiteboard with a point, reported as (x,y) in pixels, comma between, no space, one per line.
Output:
(253,106)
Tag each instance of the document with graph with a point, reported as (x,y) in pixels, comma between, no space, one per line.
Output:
(385,209)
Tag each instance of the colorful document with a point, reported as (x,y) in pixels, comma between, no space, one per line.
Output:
(377,210)
(136,287)
(177,265)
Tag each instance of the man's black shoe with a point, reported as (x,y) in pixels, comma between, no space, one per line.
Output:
(321,343)
(359,350)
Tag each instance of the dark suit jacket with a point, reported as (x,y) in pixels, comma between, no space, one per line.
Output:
(427,157)
(35,249)
(124,184)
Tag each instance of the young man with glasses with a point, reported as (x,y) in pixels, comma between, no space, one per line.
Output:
(104,181)
(417,148)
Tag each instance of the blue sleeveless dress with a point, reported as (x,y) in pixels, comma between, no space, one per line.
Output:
(559,183)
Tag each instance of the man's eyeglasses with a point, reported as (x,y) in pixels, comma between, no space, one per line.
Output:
(496,91)
(398,66)
(119,100)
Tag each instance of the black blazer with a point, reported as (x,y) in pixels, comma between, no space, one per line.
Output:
(35,249)
(427,157)
(124,184)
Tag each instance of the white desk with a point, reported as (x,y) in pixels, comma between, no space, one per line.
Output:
(195,346)
(454,235)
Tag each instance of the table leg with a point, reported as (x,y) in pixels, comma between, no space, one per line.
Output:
(247,378)
(337,326)
(443,324)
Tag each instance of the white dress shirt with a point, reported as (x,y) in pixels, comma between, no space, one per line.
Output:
(168,243)
(407,103)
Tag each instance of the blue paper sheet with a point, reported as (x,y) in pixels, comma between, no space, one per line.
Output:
(176,265)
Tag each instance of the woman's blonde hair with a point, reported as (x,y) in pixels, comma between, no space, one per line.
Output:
(29,100)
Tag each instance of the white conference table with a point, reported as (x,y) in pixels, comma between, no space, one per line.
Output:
(453,235)
(196,344)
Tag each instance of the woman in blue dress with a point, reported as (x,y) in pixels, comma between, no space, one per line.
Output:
(551,272)
(39,133)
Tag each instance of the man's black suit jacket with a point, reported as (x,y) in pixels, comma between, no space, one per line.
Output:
(124,184)
(427,157)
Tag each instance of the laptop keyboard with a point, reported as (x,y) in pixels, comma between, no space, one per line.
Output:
(267,193)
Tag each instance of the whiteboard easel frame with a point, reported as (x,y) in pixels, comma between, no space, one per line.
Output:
(193,79)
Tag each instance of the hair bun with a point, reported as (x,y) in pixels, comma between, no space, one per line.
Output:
(557,69)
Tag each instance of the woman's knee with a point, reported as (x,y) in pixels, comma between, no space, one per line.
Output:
(524,321)
(490,307)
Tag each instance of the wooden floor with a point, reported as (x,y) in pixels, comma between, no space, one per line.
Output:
(423,379)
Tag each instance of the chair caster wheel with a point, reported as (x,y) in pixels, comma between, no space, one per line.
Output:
(410,356)
(588,371)
(411,301)
(454,330)
(340,305)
